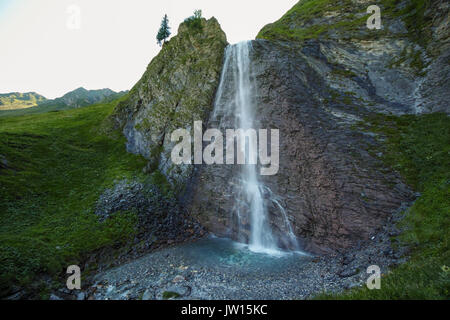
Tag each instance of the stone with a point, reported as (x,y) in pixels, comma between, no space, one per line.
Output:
(3,162)
(348,259)
(148,295)
(178,278)
(182,291)
(348,272)
(81,296)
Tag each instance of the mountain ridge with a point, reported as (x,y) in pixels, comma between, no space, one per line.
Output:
(20,100)
(16,103)
(81,97)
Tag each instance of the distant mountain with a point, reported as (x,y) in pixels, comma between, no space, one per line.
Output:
(17,100)
(74,99)
(82,97)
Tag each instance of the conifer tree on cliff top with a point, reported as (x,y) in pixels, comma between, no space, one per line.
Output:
(164,31)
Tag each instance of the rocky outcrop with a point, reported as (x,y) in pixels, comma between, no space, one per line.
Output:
(319,73)
(334,191)
(177,89)
(401,68)
(160,220)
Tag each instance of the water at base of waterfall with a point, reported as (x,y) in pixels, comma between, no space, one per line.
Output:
(226,253)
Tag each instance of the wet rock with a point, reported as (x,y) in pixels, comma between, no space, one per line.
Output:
(178,279)
(180,290)
(351,285)
(81,296)
(65,291)
(348,259)
(54,297)
(394,233)
(348,272)
(3,162)
(148,295)
(19,295)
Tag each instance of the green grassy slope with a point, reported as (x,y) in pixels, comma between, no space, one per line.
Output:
(419,148)
(33,110)
(54,167)
(300,24)
(57,105)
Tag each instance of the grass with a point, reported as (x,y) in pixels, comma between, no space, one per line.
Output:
(303,11)
(419,148)
(53,106)
(16,100)
(58,164)
(290,26)
(32,110)
(167,295)
(194,23)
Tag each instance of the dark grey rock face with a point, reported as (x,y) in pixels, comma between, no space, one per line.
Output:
(333,191)
(404,63)
(160,220)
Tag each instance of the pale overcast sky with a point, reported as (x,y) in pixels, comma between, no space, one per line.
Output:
(114,44)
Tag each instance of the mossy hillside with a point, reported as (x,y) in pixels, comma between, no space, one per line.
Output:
(192,53)
(176,75)
(418,147)
(312,19)
(57,165)
(177,89)
(16,100)
(67,102)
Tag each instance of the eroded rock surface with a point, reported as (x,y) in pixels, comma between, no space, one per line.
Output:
(334,192)
(177,89)
(320,72)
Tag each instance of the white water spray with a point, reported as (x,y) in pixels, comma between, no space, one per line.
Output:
(235,104)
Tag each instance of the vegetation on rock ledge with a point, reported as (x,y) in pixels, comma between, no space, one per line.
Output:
(419,148)
(311,19)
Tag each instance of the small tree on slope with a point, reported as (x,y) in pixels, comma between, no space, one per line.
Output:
(164,31)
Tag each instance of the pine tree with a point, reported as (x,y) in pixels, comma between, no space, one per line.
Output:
(164,31)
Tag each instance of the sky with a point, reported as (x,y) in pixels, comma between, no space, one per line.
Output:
(54,46)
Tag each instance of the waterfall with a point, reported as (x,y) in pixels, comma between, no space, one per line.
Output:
(235,105)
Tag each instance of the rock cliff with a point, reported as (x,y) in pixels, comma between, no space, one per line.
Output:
(320,73)
(177,89)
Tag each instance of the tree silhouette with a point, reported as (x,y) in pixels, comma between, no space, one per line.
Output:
(164,31)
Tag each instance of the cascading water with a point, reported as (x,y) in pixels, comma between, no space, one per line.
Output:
(236,105)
